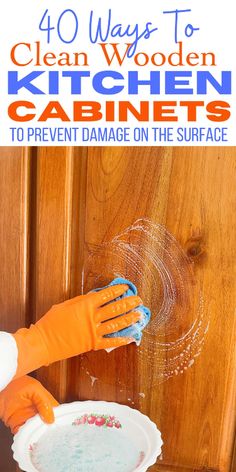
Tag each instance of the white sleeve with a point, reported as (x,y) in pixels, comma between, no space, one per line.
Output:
(8,358)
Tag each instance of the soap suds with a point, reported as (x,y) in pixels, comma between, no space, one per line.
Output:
(93,379)
(148,255)
(85,448)
(142,395)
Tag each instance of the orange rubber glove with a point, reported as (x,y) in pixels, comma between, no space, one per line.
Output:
(24,398)
(76,326)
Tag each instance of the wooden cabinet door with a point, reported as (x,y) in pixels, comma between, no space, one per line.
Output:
(14,262)
(71,219)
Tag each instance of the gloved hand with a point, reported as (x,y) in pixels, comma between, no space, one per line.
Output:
(24,398)
(76,326)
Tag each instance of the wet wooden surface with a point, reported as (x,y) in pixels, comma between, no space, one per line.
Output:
(57,206)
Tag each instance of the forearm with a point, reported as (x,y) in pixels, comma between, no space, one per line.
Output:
(32,351)
(71,328)
(20,354)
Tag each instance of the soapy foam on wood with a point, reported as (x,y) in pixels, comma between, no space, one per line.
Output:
(148,255)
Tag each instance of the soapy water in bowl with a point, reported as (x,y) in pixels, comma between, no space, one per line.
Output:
(148,254)
(84,449)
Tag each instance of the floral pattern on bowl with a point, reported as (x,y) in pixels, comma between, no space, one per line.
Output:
(107,421)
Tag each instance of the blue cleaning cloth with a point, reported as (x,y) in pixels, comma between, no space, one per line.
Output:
(134,331)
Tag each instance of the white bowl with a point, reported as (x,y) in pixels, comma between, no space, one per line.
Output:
(141,430)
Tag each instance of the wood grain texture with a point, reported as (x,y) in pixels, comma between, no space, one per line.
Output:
(51,261)
(191,192)
(14,256)
(57,206)
(56,228)
(233,466)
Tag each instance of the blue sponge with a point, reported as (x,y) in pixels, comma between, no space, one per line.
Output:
(134,331)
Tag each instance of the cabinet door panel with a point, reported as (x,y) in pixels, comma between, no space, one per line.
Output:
(14,256)
(59,209)
(192,193)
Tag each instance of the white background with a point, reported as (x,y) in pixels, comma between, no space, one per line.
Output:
(19,22)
